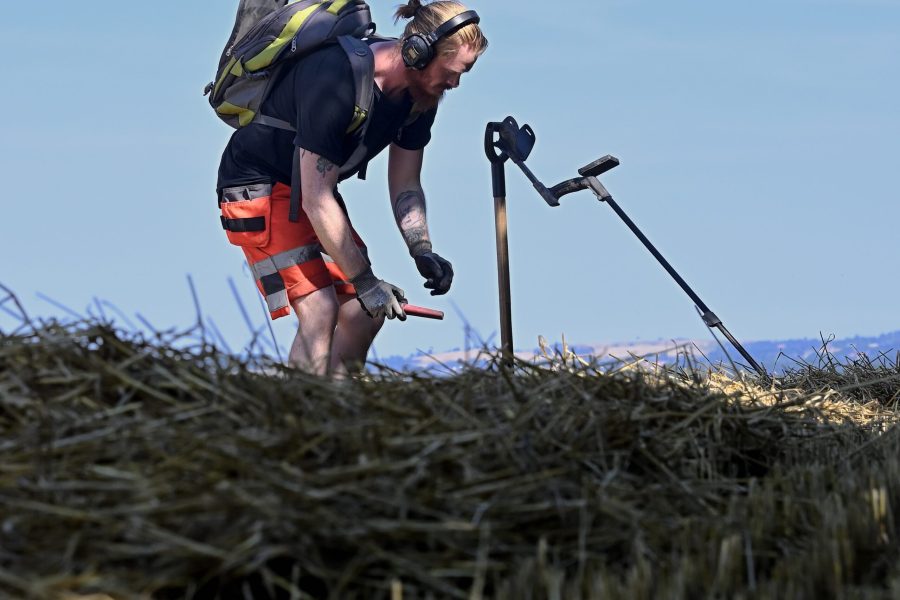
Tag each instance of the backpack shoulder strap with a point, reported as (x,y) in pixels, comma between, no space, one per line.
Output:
(362,63)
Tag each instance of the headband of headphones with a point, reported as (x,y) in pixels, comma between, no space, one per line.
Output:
(454,24)
(418,49)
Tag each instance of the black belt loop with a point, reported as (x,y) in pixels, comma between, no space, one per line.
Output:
(244,225)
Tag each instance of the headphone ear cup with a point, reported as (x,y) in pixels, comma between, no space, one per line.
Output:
(417,52)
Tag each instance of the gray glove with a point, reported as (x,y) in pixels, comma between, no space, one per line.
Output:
(437,271)
(378,297)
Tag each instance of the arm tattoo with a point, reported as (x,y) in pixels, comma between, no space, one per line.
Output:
(409,212)
(417,241)
(324,165)
(409,209)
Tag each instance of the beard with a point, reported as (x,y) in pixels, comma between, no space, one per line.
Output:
(425,98)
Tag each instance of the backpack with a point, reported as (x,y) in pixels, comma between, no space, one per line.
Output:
(267,35)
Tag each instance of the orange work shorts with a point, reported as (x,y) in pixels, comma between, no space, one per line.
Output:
(286,258)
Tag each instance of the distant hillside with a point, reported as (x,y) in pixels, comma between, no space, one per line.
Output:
(772,354)
(784,353)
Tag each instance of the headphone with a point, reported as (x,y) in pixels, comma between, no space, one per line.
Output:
(418,49)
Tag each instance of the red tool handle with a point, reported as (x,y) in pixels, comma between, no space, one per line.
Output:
(427,313)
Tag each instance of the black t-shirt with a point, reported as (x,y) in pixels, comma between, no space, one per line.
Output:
(317,97)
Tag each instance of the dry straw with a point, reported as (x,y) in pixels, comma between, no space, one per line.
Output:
(134,468)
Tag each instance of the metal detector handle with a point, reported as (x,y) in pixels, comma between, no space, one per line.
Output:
(491,149)
(497,157)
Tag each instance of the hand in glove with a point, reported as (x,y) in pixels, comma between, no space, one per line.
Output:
(378,297)
(437,271)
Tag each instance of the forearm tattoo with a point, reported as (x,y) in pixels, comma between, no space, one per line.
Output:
(409,212)
(324,165)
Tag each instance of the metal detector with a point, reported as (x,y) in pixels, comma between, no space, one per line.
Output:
(506,140)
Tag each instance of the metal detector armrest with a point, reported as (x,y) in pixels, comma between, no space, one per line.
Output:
(568,187)
(516,141)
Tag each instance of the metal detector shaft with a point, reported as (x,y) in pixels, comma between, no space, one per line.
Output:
(502,228)
(709,317)
(546,194)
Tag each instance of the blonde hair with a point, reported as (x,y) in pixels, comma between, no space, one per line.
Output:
(425,18)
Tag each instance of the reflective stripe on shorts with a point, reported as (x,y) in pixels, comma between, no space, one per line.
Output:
(284,260)
(275,292)
(272,283)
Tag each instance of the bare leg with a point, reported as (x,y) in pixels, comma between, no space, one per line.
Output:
(353,337)
(318,315)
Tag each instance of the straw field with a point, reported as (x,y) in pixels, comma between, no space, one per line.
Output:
(152,468)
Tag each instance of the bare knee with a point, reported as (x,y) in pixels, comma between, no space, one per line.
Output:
(353,317)
(318,312)
(354,335)
(318,315)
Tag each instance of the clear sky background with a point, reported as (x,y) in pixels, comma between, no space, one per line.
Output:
(759,146)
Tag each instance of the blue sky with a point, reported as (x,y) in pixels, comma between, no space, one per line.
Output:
(759,144)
